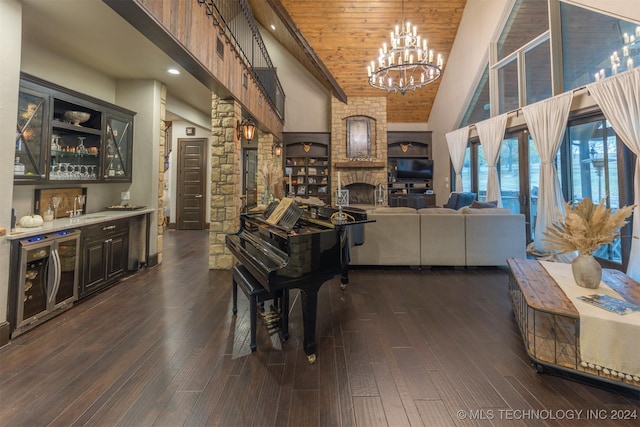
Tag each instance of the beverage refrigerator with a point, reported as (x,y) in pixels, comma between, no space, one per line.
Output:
(47,280)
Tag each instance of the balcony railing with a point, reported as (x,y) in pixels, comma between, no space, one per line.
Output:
(238,22)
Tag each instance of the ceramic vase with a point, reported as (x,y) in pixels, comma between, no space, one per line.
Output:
(587,272)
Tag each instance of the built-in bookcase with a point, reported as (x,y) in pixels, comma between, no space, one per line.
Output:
(306,165)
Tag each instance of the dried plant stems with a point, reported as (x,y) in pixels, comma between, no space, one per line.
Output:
(585,227)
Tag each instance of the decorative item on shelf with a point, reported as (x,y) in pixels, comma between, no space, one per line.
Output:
(271,175)
(77,117)
(246,129)
(408,64)
(584,228)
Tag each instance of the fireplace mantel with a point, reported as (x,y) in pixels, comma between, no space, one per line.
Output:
(360,164)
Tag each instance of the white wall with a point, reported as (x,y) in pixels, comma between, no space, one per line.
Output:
(10,49)
(144,97)
(67,73)
(308,103)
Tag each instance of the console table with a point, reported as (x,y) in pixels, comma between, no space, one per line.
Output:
(549,323)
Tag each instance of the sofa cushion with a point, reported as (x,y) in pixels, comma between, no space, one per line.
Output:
(482,205)
(484,211)
(394,210)
(437,211)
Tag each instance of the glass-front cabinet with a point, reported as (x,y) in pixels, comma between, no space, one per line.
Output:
(66,136)
(33,111)
(119,135)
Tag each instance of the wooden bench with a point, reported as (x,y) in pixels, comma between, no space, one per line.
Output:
(257,294)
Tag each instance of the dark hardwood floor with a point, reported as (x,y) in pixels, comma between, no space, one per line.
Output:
(399,347)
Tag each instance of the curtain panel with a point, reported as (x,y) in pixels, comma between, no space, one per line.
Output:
(619,100)
(457,142)
(547,121)
(491,133)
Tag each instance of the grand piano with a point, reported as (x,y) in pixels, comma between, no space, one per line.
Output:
(303,250)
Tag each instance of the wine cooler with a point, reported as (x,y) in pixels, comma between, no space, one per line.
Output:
(48,277)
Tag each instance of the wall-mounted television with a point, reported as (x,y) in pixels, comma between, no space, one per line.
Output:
(414,169)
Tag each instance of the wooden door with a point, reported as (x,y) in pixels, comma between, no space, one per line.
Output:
(191,199)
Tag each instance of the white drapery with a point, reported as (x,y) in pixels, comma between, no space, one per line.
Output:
(619,100)
(491,133)
(457,142)
(547,121)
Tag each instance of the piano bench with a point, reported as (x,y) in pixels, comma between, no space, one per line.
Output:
(258,294)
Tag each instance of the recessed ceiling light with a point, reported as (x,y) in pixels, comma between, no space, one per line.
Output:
(273,27)
(173,71)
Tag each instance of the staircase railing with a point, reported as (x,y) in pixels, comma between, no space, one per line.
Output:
(236,19)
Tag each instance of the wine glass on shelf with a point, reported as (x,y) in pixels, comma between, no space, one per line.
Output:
(55,202)
(81,149)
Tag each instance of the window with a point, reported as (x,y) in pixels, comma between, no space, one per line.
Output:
(538,73)
(527,20)
(508,87)
(592,147)
(590,40)
(479,107)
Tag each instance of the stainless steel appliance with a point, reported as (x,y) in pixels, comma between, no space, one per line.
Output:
(48,277)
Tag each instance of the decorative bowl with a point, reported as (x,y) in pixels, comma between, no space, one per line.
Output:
(77,117)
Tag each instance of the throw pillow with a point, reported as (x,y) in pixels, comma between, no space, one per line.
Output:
(465,199)
(482,205)
(453,200)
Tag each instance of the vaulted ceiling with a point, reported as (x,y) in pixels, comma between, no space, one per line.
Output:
(336,39)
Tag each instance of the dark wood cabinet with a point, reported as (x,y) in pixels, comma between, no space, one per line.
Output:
(67,136)
(105,255)
(307,165)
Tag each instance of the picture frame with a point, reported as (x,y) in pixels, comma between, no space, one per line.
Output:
(302,189)
(358,137)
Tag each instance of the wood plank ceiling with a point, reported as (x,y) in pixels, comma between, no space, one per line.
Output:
(336,39)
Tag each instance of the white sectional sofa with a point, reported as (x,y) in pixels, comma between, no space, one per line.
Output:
(441,237)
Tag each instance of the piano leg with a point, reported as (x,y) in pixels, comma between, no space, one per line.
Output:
(344,274)
(309,300)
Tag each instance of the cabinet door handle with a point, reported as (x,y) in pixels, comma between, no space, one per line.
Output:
(198,196)
(108,227)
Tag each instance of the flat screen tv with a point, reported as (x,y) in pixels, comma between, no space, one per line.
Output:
(414,169)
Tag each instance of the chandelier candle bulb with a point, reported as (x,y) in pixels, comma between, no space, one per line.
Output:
(625,37)
(638,31)
(629,63)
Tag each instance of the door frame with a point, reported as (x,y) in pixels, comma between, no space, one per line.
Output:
(203,180)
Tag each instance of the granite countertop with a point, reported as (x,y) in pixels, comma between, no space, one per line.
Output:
(80,221)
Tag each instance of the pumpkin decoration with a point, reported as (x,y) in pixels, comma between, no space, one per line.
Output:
(29,221)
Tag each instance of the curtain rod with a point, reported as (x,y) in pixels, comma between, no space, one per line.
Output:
(515,113)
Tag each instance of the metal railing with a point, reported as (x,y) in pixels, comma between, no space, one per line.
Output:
(236,19)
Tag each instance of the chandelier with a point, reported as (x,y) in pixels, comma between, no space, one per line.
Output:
(406,64)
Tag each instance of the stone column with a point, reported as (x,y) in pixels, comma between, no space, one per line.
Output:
(225,180)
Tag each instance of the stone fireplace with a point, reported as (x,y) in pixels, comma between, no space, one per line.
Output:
(359,175)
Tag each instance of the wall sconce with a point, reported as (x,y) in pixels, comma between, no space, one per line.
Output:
(246,129)
(276,148)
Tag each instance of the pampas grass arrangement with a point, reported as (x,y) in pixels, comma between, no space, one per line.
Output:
(585,227)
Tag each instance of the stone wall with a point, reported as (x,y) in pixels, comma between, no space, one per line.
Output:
(371,171)
(225,180)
